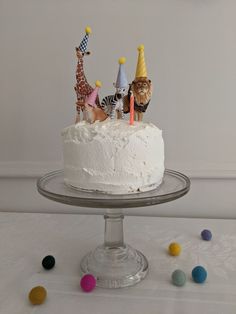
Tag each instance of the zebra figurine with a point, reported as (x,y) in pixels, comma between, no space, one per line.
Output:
(113,104)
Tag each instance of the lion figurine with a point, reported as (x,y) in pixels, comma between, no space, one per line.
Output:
(141,88)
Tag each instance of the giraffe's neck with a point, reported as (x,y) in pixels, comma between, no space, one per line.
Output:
(80,76)
(82,88)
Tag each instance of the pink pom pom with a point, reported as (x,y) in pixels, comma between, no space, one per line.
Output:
(88,283)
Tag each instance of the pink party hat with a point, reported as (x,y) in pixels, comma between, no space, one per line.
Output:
(92,97)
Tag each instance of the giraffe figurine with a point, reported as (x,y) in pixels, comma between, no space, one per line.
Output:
(82,88)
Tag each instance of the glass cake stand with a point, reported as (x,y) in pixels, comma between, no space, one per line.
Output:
(114,263)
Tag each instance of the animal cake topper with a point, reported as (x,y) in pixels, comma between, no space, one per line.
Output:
(82,87)
(113,104)
(91,111)
(141,88)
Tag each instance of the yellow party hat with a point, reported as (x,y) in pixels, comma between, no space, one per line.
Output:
(141,70)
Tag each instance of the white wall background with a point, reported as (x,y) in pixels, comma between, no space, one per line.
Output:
(190,49)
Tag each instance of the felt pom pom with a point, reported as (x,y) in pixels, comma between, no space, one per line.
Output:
(88,30)
(178,278)
(122,60)
(37,295)
(48,262)
(88,283)
(98,83)
(199,274)
(206,235)
(174,249)
(141,48)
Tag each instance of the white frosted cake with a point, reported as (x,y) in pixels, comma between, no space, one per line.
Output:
(103,151)
(113,156)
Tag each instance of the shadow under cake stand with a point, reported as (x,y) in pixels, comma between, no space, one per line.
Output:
(114,263)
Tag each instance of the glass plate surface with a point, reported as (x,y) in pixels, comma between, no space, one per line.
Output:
(173,186)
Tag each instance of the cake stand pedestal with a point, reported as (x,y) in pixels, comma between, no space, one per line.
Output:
(114,263)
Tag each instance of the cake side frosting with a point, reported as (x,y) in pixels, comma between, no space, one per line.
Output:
(113,157)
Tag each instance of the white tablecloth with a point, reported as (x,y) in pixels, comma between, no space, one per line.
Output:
(26,238)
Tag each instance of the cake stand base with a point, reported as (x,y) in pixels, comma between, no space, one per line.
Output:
(115,267)
(115,264)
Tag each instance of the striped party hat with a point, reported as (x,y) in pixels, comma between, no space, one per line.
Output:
(141,70)
(84,42)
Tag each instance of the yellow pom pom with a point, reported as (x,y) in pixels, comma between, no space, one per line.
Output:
(174,249)
(141,48)
(98,83)
(88,30)
(122,60)
(37,295)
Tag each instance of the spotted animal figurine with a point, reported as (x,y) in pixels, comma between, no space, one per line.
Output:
(82,88)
